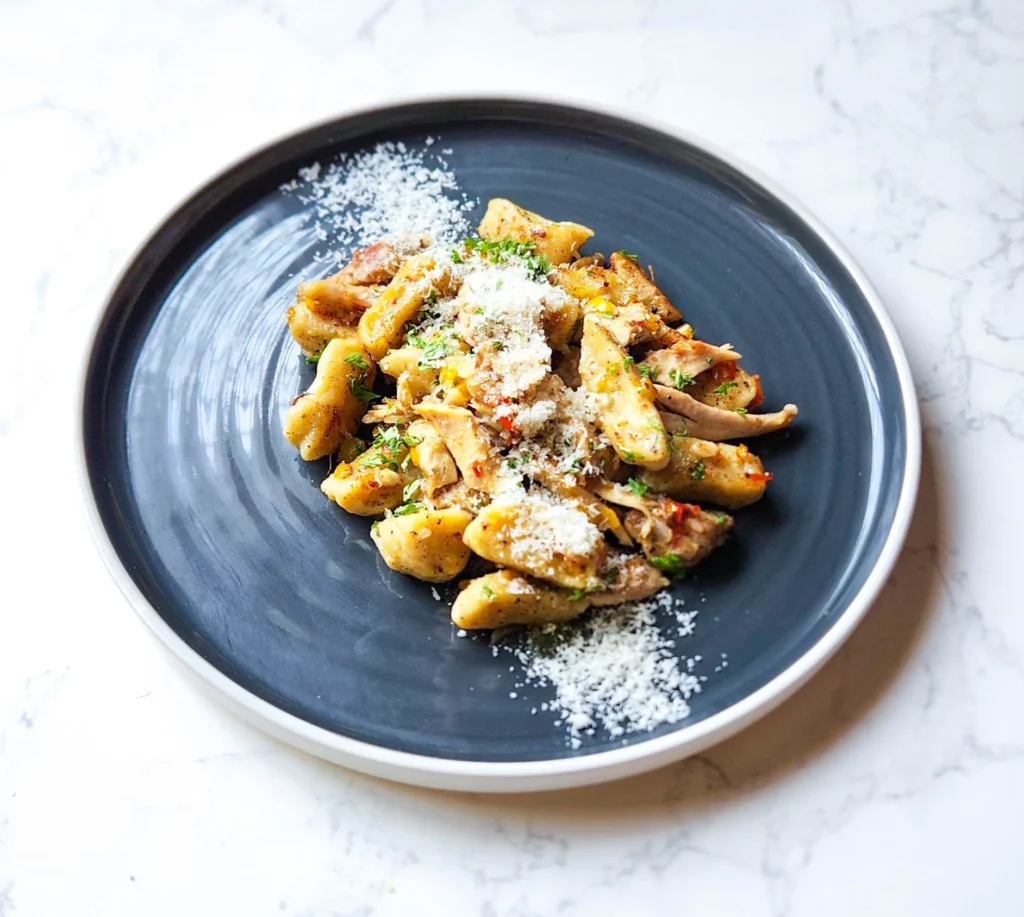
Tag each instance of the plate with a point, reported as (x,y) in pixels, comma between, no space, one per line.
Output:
(217,533)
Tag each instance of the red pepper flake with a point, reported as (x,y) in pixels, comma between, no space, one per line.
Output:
(478,468)
(506,422)
(758,394)
(681,510)
(764,476)
(373,483)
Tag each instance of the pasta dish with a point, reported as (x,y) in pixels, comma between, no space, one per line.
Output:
(547,411)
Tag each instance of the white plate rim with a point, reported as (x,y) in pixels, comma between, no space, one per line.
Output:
(556,773)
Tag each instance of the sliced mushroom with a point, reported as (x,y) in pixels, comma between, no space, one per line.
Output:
(678,535)
(331,298)
(716,424)
(376,263)
(468,441)
(688,359)
(635,579)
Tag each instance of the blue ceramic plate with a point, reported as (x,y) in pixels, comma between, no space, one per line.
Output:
(218,534)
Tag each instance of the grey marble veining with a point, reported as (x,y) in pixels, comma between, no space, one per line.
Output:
(889,785)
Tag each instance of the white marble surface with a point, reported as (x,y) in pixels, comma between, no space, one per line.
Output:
(892,784)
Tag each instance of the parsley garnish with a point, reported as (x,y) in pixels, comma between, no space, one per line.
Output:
(500,251)
(680,380)
(697,473)
(741,411)
(357,359)
(498,345)
(456,257)
(410,490)
(488,591)
(499,284)
(379,460)
(670,564)
(648,372)
(361,391)
(577,594)
(403,510)
(721,518)
(633,255)
(434,353)
(630,456)
(723,389)
(314,357)
(393,438)
(629,361)
(638,487)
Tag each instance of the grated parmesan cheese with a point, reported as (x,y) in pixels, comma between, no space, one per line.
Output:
(614,671)
(390,192)
(503,304)
(555,527)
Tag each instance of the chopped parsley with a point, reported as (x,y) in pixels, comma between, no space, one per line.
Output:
(361,391)
(638,487)
(314,357)
(488,591)
(697,472)
(632,255)
(629,361)
(411,489)
(379,460)
(404,510)
(723,389)
(457,257)
(721,518)
(499,284)
(630,456)
(357,359)
(434,352)
(392,438)
(498,345)
(680,380)
(741,411)
(501,251)
(648,372)
(577,594)
(671,564)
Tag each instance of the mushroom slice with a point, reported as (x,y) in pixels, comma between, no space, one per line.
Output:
(716,424)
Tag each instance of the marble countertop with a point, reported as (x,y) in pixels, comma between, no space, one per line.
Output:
(891,784)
